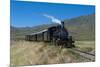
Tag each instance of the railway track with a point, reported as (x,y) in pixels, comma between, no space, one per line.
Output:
(88,56)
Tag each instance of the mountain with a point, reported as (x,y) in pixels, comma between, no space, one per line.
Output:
(81,28)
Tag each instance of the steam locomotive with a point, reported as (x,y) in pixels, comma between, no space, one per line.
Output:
(57,35)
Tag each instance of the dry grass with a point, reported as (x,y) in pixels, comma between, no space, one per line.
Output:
(33,53)
(86,46)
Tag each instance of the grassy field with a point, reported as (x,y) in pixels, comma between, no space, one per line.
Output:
(34,53)
(86,46)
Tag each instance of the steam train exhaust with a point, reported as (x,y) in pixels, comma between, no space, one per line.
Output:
(53,19)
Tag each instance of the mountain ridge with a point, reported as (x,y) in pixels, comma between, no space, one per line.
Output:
(81,28)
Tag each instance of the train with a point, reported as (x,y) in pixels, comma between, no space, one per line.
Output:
(58,35)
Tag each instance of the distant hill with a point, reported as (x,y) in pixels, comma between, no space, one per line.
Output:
(81,28)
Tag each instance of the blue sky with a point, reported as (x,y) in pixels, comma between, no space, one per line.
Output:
(31,13)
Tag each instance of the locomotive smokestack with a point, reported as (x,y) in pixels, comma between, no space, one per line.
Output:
(62,24)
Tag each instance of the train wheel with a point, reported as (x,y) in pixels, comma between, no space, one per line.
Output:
(68,45)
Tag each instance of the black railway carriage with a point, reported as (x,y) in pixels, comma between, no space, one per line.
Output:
(44,35)
(38,36)
(56,34)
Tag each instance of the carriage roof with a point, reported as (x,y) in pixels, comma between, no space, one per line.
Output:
(38,32)
(43,30)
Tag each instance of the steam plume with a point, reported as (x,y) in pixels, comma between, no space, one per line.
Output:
(53,19)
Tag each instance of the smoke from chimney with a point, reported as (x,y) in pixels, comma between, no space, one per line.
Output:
(53,19)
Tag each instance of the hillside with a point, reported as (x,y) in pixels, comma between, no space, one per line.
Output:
(81,28)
